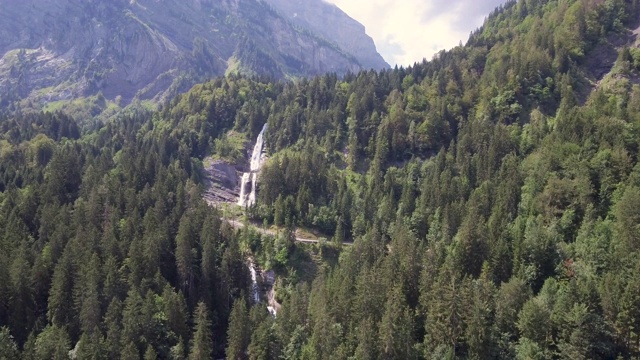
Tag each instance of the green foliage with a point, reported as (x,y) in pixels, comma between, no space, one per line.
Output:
(8,347)
(491,199)
(202,343)
(239,335)
(53,343)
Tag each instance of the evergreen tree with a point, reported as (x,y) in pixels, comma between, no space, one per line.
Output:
(366,348)
(260,346)
(130,352)
(8,347)
(150,354)
(112,324)
(90,346)
(239,333)
(178,351)
(52,343)
(175,309)
(201,347)
(396,328)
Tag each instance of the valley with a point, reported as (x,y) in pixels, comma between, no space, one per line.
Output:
(284,202)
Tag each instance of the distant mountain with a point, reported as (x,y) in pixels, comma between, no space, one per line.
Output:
(332,23)
(54,51)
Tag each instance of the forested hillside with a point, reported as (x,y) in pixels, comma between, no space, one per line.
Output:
(491,193)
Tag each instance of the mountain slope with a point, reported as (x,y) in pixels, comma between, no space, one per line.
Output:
(145,50)
(347,33)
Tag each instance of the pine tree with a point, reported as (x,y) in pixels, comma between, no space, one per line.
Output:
(628,216)
(444,309)
(177,352)
(91,346)
(279,211)
(367,347)
(21,300)
(8,347)
(130,352)
(133,325)
(202,344)
(534,322)
(293,350)
(209,238)
(175,309)
(185,240)
(396,328)
(90,305)
(260,347)
(113,326)
(238,334)
(53,343)
(150,354)
(479,332)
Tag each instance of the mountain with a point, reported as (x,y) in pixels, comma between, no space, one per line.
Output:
(347,33)
(151,50)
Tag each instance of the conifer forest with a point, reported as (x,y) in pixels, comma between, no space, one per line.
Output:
(483,204)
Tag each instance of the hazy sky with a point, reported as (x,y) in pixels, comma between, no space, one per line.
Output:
(407,31)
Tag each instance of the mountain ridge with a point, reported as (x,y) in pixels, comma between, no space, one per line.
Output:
(305,14)
(147,51)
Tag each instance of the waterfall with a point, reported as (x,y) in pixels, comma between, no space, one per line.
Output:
(255,291)
(272,311)
(251,177)
(244,181)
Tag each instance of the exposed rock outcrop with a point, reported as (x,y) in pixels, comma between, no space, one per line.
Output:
(332,23)
(221,182)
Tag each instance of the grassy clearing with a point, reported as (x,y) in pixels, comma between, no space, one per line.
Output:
(233,66)
(230,147)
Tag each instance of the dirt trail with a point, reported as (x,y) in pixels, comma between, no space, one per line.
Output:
(238,225)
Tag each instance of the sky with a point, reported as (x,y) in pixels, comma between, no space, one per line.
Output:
(407,31)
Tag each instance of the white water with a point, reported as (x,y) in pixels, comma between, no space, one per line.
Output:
(243,188)
(255,291)
(252,175)
(272,311)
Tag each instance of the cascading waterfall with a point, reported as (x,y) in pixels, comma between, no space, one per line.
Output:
(255,291)
(251,177)
(249,199)
(246,177)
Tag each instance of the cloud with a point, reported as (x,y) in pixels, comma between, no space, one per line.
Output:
(407,31)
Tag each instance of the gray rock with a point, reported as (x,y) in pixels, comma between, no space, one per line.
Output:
(221,182)
(332,23)
(153,49)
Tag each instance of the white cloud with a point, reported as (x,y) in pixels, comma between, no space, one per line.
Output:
(407,31)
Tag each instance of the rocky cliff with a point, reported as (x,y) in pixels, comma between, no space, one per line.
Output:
(333,24)
(58,50)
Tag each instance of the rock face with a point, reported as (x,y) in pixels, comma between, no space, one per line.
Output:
(333,24)
(152,49)
(221,181)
